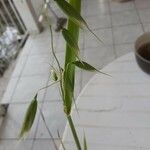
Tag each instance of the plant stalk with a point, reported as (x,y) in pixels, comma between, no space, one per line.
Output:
(74,30)
(75,136)
(70,57)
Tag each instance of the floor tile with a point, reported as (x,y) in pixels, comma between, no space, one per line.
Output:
(142,4)
(9,90)
(15,145)
(119,7)
(86,76)
(19,66)
(127,34)
(96,9)
(52,93)
(145,15)
(124,49)
(28,86)
(55,120)
(104,34)
(45,144)
(13,121)
(99,21)
(96,56)
(146,27)
(119,18)
(61,58)
(37,65)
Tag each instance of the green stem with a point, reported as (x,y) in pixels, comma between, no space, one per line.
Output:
(74,30)
(70,57)
(73,130)
(53,52)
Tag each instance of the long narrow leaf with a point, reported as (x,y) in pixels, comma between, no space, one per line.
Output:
(29,117)
(68,91)
(71,13)
(85,143)
(73,28)
(85,66)
(71,41)
(75,16)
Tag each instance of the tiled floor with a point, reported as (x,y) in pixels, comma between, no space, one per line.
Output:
(117,24)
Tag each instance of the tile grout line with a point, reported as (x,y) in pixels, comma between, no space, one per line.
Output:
(139,16)
(18,78)
(110,13)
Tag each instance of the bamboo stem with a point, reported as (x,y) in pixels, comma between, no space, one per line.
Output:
(73,130)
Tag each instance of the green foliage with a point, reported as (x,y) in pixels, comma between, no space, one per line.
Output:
(71,12)
(85,66)
(65,76)
(71,41)
(29,117)
(85,143)
(54,75)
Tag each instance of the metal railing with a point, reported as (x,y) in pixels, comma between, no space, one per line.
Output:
(9,16)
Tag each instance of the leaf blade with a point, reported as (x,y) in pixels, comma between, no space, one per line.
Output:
(29,117)
(85,143)
(85,66)
(71,41)
(71,13)
(68,91)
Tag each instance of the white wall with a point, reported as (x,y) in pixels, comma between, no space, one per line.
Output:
(28,15)
(37,5)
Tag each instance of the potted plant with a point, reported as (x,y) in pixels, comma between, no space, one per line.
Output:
(64,75)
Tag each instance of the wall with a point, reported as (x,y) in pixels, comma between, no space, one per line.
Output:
(37,5)
(28,15)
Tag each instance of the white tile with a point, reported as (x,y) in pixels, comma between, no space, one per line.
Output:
(98,55)
(61,58)
(125,18)
(127,34)
(9,90)
(37,65)
(124,49)
(97,146)
(13,121)
(45,144)
(105,136)
(52,93)
(119,7)
(15,145)
(96,8)
(27,88)
(145,15)
(99,21)
(146,27)
(19,66)
(55,120)
(142,4)
(112,119)
(104,34)
(86,76)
